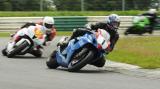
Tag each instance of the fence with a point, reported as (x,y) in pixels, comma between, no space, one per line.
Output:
(62,23)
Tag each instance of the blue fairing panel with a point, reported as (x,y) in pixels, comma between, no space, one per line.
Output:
(64,57)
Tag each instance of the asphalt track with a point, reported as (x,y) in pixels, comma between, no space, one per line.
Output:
(27,72)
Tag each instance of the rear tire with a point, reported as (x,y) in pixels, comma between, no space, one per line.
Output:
(18,49)
(36,53)
(85,57)
(51,62)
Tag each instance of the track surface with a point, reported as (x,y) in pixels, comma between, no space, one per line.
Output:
(27,72)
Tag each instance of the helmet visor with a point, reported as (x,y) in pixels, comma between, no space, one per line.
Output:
(115,24)
(48,25)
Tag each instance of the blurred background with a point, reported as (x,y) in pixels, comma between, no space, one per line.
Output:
(77,5)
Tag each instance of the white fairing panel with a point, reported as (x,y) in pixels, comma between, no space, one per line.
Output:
(103,38)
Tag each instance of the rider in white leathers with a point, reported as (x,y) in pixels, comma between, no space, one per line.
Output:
(36,32)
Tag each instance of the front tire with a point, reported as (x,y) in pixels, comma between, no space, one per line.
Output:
(84,56)
(17,49)
(4,52)
(51,62)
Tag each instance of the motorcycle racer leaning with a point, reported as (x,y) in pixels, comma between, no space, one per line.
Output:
(111,25)
(43,31)
(151,14)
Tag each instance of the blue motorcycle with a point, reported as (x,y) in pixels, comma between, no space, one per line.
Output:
(79,52)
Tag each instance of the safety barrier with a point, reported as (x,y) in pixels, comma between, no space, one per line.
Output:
(62,23)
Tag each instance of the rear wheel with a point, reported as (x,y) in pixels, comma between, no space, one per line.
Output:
(17,49)
(36,53)
(51,62)
(80,59)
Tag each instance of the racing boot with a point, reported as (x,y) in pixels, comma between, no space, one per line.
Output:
(100,62)
(63,42)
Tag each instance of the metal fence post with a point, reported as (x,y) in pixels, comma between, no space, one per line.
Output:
(82,5)
(41,5)
(123,5)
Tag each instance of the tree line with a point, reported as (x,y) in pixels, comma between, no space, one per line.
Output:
(74,5)
(25,5)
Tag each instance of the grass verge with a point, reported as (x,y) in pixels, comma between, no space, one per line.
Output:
(141,51)
(65,13)
(4,34)
(59,33)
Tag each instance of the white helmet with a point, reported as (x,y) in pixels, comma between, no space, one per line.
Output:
(48,22)
(152,11)
(113,20)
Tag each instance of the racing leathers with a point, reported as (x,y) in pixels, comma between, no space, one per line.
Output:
(100,62)
(113,33)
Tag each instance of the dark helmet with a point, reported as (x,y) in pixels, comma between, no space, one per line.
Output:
(114,21)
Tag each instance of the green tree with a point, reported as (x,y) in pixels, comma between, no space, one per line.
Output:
(102,4)
(73,5)
(138,4)
(32,5)
(5,5)
(24,5)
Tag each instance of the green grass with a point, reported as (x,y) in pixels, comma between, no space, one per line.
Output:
(64,33)
(65,13)
(4,34)
(141,51)
(59,33)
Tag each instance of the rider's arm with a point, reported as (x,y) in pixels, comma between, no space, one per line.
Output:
(96,26)
(50,36)
(100,25)
(113,41)
(79,32)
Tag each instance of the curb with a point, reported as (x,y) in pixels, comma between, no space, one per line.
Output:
(132,70)
(119,65)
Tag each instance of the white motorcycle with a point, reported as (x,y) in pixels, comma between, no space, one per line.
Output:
(26,44)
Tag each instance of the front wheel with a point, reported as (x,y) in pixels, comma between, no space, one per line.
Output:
(80,59)
(51,62)
(4,52)
(17,49)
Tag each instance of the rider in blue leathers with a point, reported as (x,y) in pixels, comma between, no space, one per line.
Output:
(111,25)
